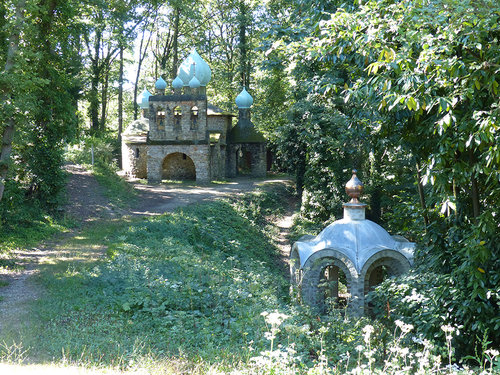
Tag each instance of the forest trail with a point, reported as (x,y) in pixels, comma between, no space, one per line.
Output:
(87,203)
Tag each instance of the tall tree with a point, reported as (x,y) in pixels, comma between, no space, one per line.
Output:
(7,114)
(109,25)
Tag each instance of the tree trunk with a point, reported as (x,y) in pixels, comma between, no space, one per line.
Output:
(8,133)
(422,196)
(136,106)
(104,98)
(94,85)
(243,45)
(175,43)
(142,56)
(120,108)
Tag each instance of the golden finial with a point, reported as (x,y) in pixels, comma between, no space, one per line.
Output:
(354,187)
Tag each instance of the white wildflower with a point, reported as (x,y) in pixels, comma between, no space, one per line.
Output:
(275,318)
(448,328)
(367,330)
(492,352)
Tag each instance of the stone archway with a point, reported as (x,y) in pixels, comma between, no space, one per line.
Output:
(387,263)
(383,264)
(334,286)
(178,166)
(321,274)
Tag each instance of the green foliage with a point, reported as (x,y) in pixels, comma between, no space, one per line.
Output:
(415,84)
(192,283)
(197,277)
(422,299)
(24,222)
(40,100)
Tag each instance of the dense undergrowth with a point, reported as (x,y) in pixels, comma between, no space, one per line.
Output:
(24,222)
(204,290)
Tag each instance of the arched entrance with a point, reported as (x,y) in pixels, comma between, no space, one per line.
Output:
(334,285)
(244,161)
(178,166)
(390,264)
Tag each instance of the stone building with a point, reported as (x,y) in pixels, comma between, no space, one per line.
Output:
(182,137)
(352,252)
(247,147)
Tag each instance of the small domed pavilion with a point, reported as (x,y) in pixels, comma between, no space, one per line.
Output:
(353,251)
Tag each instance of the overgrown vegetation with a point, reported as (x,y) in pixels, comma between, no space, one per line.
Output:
(407,93)
(24,223)
(200,290)
(404,91)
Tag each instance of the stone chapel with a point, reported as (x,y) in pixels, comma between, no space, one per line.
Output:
(183,137)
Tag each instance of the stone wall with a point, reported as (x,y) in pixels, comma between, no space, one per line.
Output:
(167,125)
(134,159)
(220,124)
(217,162)
(231,157)
(199,154)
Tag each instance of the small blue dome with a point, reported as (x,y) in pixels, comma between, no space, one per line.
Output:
(143,99)
(194,83)
(244,99)
(177,83)
(160,84)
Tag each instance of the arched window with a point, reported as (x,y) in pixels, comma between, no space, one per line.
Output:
(160,118)
(194,118)
(177,116)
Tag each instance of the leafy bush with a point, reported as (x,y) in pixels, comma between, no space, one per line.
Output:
(24,221)
(103,147)
(429,300)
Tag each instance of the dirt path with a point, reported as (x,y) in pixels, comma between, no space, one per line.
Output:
(87,203)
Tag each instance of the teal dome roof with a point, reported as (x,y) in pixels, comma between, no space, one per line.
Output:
(177,83)
(143,99)
(160,84)
(244,99)
(192,66)
(194,83)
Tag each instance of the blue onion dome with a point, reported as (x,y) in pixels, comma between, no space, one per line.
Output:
(194,63)
(143,99)
(160,84)
(177,83)
(244,99)
(194,83)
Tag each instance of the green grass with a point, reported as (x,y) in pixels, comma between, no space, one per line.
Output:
(117,190)
(184,293)
(189,284)
(18,234)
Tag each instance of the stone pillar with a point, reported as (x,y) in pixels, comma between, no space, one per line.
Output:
(333,281)
(154,164)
